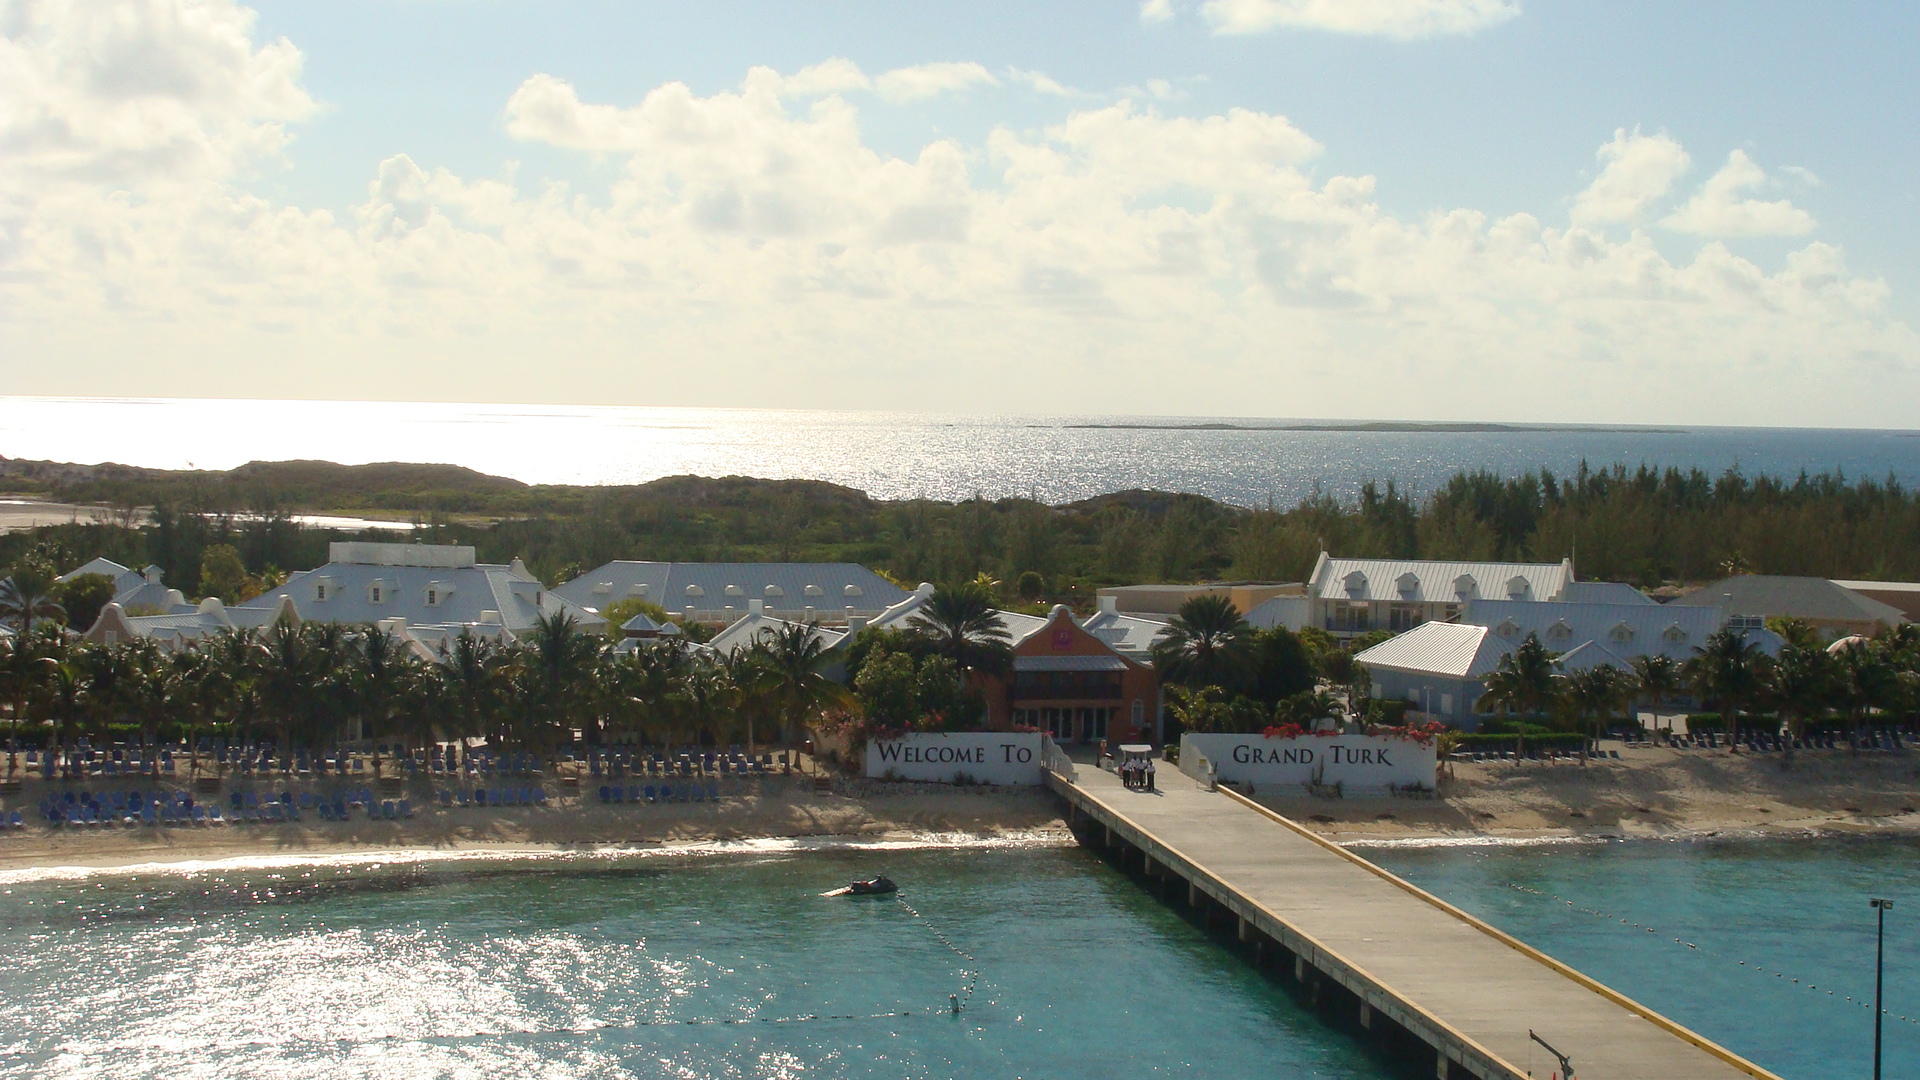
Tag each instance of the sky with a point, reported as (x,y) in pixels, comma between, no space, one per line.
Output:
(1499,210)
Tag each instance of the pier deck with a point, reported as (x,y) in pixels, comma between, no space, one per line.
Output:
(1461,987)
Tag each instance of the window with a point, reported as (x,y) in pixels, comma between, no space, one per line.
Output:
(433,597)
(1446,704)
(1403,617)
(851,590)
(111,637)
(320,590)
(376,595)
(1621,633)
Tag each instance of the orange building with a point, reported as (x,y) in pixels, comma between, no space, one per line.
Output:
(1073,686)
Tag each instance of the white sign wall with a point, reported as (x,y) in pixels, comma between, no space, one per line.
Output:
(988,757)
(1355,762)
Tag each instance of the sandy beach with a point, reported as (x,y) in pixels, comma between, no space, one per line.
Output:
(871,812)
(1649,793)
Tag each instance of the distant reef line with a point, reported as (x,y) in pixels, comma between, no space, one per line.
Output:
(1389,426)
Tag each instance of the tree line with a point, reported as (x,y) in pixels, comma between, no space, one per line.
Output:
(1644,525)
(317,685)
(1850,683)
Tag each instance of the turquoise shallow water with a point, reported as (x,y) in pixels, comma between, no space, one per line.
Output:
(1757,915)
(589,968)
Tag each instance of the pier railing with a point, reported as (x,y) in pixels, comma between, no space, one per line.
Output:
(1056,760)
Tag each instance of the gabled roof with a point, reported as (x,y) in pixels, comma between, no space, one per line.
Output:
(1128,634)
(1626,630)
(104,567)
(1436,582)
(1604,592)
(900,616)
(471,594)
(1761,595)
(830,588)
(1589,655)
(748,628)
(1454,650)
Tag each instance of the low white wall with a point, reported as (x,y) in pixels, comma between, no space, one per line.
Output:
(1356,762)
(989,757)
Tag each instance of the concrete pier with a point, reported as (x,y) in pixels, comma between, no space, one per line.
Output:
(1414,970)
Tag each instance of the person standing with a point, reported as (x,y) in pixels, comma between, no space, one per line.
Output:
(1147,771)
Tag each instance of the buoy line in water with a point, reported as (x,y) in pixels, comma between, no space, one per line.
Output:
(956,1002)
(1755,966)
(972,970)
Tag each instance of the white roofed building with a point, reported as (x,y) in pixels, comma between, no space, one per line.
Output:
(135,590)
(1440,668)
(1347,597)
(425,585)
(717,593)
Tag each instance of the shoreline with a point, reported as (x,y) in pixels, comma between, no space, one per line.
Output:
(1647,795)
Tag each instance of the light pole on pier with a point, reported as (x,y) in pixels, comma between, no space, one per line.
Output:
(1879,967)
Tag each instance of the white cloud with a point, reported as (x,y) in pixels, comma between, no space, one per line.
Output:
(836,76)
(932,80)
(1720,210)
(1154,11)
(139,92)
(1640,170)
(1386,18)
(1041,82)
(755,249)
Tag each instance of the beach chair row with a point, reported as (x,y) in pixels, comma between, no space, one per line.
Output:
(686,766)
(87,764)
(663,793)
(494,797)
(86,808)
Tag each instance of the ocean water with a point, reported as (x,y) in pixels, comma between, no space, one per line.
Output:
(1249,461)
(1775,950)
(661,966)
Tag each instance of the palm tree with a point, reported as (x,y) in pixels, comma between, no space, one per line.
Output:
(788,659)
(961,621)
(1207,644)
(1800,684)
(1863,679)
(1727,670)
(1523,684)
(554,672)
(1658,678)
(26,599)
(1592,696)
(476,672)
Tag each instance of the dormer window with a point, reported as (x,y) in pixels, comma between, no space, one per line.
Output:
(695,590)
(851,590)
(1408,583)
(1465,586)
(1356,583)
(735,590)
(1674,633)
(775,591)
(814,590)
(323,589)
(1621,633)
(1559,631)
(1508,628)
(1517,587)
(376,594)
(437,593)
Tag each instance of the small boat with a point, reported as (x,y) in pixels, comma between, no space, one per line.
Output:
(878,886)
